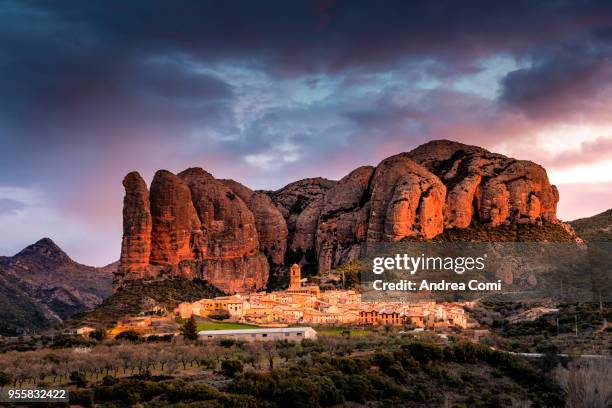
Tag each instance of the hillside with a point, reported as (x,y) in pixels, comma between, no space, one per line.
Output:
(41,286)
(595,228)
(137,296)
(547,232)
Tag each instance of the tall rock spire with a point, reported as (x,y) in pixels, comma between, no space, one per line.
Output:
(136,243)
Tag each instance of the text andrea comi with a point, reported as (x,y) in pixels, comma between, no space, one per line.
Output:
(410,285)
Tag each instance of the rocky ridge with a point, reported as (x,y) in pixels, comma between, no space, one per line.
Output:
(41,286)
(228,234)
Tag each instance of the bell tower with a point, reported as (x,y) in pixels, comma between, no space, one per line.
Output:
(295,277)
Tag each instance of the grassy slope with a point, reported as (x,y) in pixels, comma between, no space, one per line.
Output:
(224,326)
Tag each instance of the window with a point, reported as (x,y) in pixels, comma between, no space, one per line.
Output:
(264,335)
(299,333)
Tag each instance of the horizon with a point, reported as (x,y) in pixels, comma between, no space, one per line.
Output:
(279,92)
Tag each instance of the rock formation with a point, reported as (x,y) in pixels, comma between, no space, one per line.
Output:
(136,244)
(199,229)
(221,231)
(343,219)
(293,199)
(407,200)
(176,226)
(269,221)
(492,187)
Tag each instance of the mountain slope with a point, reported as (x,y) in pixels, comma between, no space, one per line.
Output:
(41,286)
(595,228)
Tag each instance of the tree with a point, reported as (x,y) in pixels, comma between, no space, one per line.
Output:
(230,368)
(190,329)
(99,334)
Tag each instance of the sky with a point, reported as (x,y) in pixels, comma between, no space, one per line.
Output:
(268,92)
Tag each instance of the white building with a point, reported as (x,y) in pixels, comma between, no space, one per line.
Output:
(263,334)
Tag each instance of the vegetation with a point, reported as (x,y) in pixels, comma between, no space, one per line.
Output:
(350,273)
(189,330)
(556,329)
(595,228)
(20,314)
(513,232)
(386,367)
(586,383)
(128,300)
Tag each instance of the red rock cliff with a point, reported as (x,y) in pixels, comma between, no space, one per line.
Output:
(136,244)
(195,226)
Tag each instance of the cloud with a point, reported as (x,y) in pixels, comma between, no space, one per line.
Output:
(270,92)
(9,206)
(566,81)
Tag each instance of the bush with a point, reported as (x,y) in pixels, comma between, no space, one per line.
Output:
(78,379)
(5,378)
(227,343)
(109,380)
(219,315)
(230,368)
(84,398)
(129,335)
(99,334)
(424,353)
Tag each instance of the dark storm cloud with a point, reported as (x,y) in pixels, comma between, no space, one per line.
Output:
(564,80)
(298,36)
(269,91)
(96,60)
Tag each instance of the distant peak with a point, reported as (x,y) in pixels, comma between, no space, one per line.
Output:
(48,242)
(44,247)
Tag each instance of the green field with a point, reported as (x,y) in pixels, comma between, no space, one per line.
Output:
(224,326)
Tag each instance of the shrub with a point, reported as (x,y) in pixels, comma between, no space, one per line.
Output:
(99,334)
(5,378)
(424,353)
(78,379)
(109,380)
(129,335)
(84,398)
(230,368)
(219,315)
(227,343)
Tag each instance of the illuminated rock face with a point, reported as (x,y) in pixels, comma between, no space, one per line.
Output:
(488,187)
(269,222)
(195,226)
(198,229)
(136,244)
(342,223)
(407,200)
(176,226)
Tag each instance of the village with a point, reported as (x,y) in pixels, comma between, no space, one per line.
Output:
(303,304)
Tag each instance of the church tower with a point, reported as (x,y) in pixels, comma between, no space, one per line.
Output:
(295,277)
